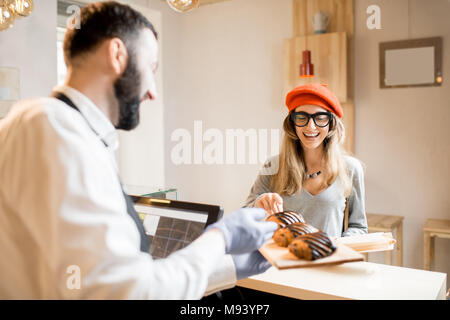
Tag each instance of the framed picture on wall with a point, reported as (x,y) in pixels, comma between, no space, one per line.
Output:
(411,63)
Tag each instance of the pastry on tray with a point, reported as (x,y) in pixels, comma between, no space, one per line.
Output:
(303,240)
(284,236)
(312,246)
(285,218)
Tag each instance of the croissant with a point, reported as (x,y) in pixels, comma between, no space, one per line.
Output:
(285,218)
(286,235)
(312,246)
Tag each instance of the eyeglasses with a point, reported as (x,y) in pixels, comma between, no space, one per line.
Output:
(321,119)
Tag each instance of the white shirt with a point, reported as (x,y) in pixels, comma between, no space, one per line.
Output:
(63,218)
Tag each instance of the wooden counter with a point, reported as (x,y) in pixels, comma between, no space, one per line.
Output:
(355,280)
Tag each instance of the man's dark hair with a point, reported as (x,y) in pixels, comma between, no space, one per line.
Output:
(102,21)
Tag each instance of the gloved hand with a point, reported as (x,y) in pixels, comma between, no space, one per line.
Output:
(245,230)
(249,264)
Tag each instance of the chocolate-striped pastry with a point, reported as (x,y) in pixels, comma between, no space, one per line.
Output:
(312,246)
(286,235)
(285,218)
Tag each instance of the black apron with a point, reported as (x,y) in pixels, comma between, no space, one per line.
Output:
(145,241)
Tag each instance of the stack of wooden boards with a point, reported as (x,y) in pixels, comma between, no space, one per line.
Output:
(371,242)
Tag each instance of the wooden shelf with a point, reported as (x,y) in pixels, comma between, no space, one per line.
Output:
(341,12)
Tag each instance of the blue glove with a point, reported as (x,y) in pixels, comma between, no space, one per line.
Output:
(245,230)
(249,264)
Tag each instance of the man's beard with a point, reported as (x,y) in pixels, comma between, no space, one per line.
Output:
(127,90)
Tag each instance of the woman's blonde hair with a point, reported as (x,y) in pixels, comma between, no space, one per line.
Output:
(291,174)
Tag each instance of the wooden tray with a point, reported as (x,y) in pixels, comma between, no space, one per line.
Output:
(282,259)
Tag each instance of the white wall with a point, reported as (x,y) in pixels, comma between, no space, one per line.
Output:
(30,45)
(401,134)
(223,65)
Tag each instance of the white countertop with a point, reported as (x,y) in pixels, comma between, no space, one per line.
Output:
(355,280)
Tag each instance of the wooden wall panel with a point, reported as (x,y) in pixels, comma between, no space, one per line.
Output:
(349,120)
(329,57)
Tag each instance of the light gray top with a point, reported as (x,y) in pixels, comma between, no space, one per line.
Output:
(325,210)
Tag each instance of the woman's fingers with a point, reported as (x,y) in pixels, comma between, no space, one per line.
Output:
(278,200)
(277,207)
(259,202)
(271,202)
(267,205)
(262,203)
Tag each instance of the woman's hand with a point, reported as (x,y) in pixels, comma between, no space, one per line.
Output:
(271,202)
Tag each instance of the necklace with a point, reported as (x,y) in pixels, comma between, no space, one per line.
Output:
(313,175)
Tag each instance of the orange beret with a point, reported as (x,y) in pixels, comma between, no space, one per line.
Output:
(314,94)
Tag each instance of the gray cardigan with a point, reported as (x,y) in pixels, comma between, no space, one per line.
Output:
(325,210)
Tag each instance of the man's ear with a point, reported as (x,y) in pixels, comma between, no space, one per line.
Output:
(117,55)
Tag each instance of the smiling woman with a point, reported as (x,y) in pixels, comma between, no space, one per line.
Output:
(312,174)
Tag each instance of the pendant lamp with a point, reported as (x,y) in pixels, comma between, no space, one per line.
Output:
(7,16)
(10,9)
(306,68)
(23,7)
(183,5)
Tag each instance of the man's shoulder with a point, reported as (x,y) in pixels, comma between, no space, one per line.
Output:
(39,112)
(33,108)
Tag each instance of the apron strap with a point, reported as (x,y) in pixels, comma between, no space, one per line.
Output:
(145,241)
(66,100)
